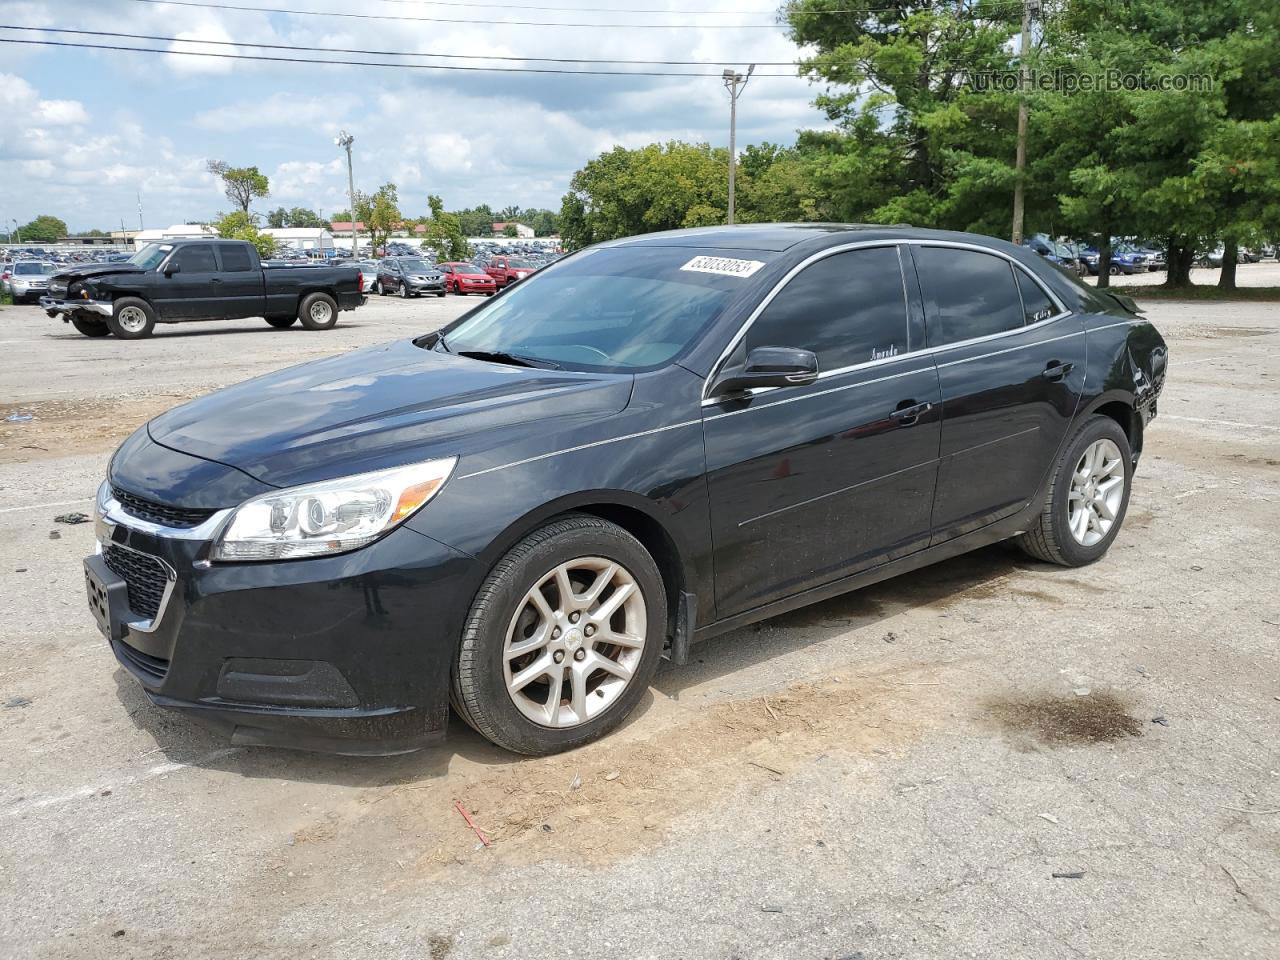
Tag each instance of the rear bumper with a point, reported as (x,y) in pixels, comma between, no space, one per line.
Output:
(55,307)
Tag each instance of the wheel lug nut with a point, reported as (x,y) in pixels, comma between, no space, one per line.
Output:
(555,634)
(558,656)
(590,631)
(575,617)
(580,654)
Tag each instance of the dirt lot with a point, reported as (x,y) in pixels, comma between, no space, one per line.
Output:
(988,758)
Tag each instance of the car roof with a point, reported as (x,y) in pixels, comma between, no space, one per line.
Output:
(778,237)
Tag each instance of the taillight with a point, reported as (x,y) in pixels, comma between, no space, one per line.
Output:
(359,281)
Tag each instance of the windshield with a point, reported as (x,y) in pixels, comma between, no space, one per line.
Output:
(417,266)
(38,269)
(149,257)
(520,264)
(611,309)
(467,269)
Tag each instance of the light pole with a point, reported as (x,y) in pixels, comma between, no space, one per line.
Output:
(735,83)
(17,229)
(345,139)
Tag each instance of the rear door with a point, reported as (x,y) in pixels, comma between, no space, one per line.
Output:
(812,483)
(1011,367)
(241,282)
(193,290)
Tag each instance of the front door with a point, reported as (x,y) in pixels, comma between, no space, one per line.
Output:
(812,483)
(1011,365)
(192,291)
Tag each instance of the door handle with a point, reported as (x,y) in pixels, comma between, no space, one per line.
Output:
(1056,370)
(908,412)
(215,279)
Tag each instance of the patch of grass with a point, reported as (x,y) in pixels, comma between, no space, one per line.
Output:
(1200,291)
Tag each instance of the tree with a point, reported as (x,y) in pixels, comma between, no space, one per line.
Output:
(510,230)
(545,223)
(444,232)
(238,225)
(380,214)
(509,213)
(476,221)
(297,217)
(241,184)
(43,229)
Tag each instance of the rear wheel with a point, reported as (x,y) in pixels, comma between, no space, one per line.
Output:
(133,319)
(91,328)
(318,311)
(562,638)
(281,323)
(1087,499)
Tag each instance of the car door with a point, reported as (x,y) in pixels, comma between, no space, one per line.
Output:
(812,483)
(1011,367)
(242,282)
(189,286)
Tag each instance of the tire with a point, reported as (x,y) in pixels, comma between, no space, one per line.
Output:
(1051,538)
(490,293)
(91,328)
(439,293)
(282,323)
(381,291)
(318,311)
(502,606)
(404,291)
(1113,270)
(133,319)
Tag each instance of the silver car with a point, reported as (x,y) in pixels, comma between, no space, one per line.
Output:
(29,280)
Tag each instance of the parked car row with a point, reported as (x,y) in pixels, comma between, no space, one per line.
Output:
(1128,257)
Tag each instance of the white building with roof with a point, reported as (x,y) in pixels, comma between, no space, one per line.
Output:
(304,239)
(178,231)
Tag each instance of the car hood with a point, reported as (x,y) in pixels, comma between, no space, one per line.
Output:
(97,270)
(381,407)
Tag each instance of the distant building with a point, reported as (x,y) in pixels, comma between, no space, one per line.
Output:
(523,232)
(304,239)
(88,241)
(178,231)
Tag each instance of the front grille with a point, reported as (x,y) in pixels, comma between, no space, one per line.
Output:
(144,665)
(160,513)
(144,576)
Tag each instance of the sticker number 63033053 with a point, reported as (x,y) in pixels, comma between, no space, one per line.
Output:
(724,266)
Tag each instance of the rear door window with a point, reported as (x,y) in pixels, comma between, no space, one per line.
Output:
(848,308)
(1036,305)
(235,258)
(967,294)
(196,259)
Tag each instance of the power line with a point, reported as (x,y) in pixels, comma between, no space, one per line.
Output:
(716,12)
(536,23)
(404,53)
(369,63)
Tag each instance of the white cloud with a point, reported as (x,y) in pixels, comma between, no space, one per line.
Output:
(279,110)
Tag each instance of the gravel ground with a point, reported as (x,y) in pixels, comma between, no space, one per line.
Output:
(987,758)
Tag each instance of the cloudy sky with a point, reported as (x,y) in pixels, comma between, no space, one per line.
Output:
(82,132)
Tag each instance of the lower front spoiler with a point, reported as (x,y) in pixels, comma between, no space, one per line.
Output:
(350,732)
(54,307)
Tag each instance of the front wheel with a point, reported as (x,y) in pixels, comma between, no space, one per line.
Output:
(318,311)
(1087,499)
(404,291)
(381,291)
(562,638)
(91,328)
(132,319)
(439,293)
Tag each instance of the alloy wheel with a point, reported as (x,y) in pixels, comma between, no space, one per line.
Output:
(320,311)
(574,642)
(1097,490)
(132,320)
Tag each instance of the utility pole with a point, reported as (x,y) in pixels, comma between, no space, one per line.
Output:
(140,226)
(1020,163)
(735,83)
(345,139)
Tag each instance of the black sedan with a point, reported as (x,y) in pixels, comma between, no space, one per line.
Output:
(409,277)
(649,443)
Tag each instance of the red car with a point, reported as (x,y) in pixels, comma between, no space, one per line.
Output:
(464,278)
(507,270)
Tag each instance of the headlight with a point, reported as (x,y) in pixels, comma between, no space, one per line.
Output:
(100,501)
(330,517)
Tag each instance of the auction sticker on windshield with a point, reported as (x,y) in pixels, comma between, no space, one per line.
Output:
(724,266)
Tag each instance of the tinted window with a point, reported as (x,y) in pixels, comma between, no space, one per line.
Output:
(849,308)
(968,294)
(197,259)
(235,258)
(1036,305)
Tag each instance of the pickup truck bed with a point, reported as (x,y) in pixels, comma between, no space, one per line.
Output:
(207,279)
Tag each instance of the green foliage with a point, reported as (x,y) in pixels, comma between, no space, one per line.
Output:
(238,225)
(510,230)
(43,229)
(241,184)
(380,214)
(297,217)
(444,232)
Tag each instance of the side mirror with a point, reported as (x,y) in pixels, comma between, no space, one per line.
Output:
(769,367)
(171,269)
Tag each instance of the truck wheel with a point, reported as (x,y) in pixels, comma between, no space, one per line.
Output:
(133,319)
(318,311)
(281,323)
(91,328)
(562,639)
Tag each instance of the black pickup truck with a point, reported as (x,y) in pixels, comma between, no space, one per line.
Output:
(208,279)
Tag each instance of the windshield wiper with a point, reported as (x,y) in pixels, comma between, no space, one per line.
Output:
(499,356)
(441,344)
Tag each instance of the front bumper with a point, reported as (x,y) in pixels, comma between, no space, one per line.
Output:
(348,654)
(55,307)
(426,286)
